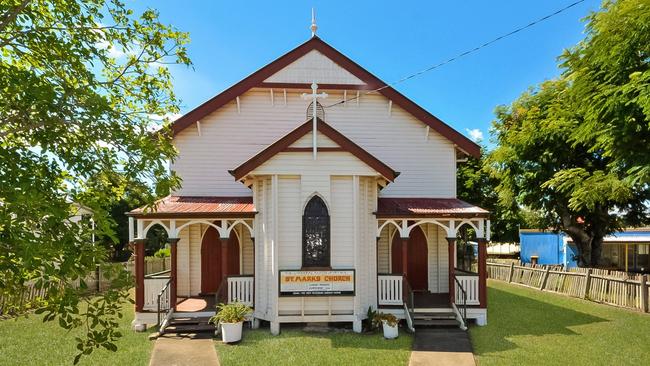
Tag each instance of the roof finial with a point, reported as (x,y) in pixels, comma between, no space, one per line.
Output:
(313,27)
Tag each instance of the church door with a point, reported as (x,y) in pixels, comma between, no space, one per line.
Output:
(210,261)
(417,261)
(211,266)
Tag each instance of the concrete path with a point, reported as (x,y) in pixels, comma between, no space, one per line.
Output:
(442,347)
(184,350)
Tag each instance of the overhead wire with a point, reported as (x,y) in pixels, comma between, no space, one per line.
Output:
(462,54)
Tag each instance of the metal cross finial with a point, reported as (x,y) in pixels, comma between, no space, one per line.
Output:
(314,97)
(313,27)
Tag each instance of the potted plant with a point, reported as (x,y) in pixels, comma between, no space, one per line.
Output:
(231,318)
(389,324)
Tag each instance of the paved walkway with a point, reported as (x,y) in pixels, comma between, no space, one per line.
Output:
(184,350)
(442,347)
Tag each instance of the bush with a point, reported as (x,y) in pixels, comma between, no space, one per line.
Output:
(162,253)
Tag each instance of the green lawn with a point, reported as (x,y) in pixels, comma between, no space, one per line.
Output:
(29,341)
(295,347)
(529,327)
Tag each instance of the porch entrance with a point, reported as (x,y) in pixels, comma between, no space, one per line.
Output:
(212,252)
(417,270)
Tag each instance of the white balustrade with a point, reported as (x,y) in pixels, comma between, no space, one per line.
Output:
(470,285)
(390,290)
(152,287)
(240,288)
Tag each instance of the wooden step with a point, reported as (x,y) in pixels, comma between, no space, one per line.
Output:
(201,320)
(190,328)
(446,315)
(436,323)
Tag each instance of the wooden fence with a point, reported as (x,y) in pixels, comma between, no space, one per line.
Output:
(151,265)
(604,286)
(12,304)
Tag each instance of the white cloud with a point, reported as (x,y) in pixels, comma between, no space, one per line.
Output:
(475,134)
(169,116)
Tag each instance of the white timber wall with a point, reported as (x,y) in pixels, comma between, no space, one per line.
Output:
(314,66)
(228,138)
(321,141)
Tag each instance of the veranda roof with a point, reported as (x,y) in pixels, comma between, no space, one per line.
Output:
(427,207)
(195,206)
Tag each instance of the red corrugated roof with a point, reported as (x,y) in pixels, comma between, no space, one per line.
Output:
(421,207)
(204,206)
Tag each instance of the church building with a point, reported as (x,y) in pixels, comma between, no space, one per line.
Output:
(312,191)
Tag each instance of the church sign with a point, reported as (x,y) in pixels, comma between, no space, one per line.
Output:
(317,283)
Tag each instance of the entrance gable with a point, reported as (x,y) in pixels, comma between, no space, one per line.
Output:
(314,66)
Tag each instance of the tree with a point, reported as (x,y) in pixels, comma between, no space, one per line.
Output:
(539,167)
(477,186)
(610,74)
(576,148)
(79,84)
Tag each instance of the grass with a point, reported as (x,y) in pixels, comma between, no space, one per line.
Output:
(295,347)
(29,341)
(529,327)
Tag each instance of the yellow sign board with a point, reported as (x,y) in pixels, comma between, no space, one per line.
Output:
(317,283)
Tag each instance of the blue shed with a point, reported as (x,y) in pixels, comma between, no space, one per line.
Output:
(548,246)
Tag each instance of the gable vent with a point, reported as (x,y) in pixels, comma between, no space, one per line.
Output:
(320,111)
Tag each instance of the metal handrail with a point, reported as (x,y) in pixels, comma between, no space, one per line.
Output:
(408,299)
(164,292)
(464,293)
(221,296)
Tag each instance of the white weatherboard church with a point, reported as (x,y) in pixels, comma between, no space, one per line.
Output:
(312,191)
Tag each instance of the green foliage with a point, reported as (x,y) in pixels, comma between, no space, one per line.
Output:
(478,187)
(231,313)
(79,84)
(162,253)
(380,318)
(575,149)
(610,75)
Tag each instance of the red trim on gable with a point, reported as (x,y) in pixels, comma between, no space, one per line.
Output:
(257,78)
(283,145)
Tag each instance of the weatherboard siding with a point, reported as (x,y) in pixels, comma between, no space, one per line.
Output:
(314,66)
(427,165)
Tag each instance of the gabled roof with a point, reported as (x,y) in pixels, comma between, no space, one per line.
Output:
(257,78)
(426,207)
(205,207)
(283,145)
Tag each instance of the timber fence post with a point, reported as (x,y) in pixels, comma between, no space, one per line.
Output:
(585,291)
(644,293)
(512,268)
(544,278)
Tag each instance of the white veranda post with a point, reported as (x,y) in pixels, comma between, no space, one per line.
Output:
(314,101)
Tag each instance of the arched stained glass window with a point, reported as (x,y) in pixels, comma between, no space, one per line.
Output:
(316,234)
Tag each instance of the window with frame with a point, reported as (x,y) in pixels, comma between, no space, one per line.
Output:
(316,234)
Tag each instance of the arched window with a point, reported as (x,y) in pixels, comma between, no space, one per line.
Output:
(316,234)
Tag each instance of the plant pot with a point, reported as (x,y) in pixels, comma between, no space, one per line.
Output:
(231,332)
(389,332)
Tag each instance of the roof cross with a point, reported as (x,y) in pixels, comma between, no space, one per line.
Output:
(314,97)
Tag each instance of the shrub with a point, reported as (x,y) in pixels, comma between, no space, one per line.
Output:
(389,319)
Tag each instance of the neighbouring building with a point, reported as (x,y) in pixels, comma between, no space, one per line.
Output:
(312,191)
(624,251)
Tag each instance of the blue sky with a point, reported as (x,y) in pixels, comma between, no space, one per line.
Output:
(231,39)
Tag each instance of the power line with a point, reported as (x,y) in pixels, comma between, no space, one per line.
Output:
(465,53)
